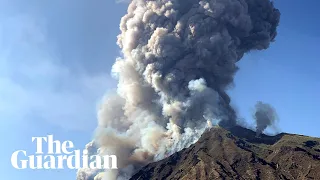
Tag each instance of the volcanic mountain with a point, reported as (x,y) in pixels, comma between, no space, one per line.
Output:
(237,153)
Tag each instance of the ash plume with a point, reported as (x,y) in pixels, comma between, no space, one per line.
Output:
(265,115)
(87,173)
(178,59)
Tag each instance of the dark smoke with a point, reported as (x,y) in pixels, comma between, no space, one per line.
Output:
(179,57)
(265,116)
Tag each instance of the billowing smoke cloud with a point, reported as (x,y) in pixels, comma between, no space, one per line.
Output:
(265,116)
(88,173)
(179,57)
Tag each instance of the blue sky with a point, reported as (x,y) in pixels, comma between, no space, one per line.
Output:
(56,56)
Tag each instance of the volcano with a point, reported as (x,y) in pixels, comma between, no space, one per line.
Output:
(237,153)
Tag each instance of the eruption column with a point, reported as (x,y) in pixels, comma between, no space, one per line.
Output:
(178,59)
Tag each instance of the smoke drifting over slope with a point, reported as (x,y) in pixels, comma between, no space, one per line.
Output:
(265,115)
(179,57)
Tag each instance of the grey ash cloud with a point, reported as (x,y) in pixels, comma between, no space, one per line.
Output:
(265,115)
(178,59)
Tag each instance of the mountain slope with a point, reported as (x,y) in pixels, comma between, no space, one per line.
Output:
(239,154)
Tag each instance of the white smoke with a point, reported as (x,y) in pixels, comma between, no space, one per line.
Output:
(141,137)
(88,173)
(179,56)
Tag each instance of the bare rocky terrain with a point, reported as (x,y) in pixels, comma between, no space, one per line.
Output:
(238,153)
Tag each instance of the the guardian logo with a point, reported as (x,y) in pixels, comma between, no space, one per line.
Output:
(61,157)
